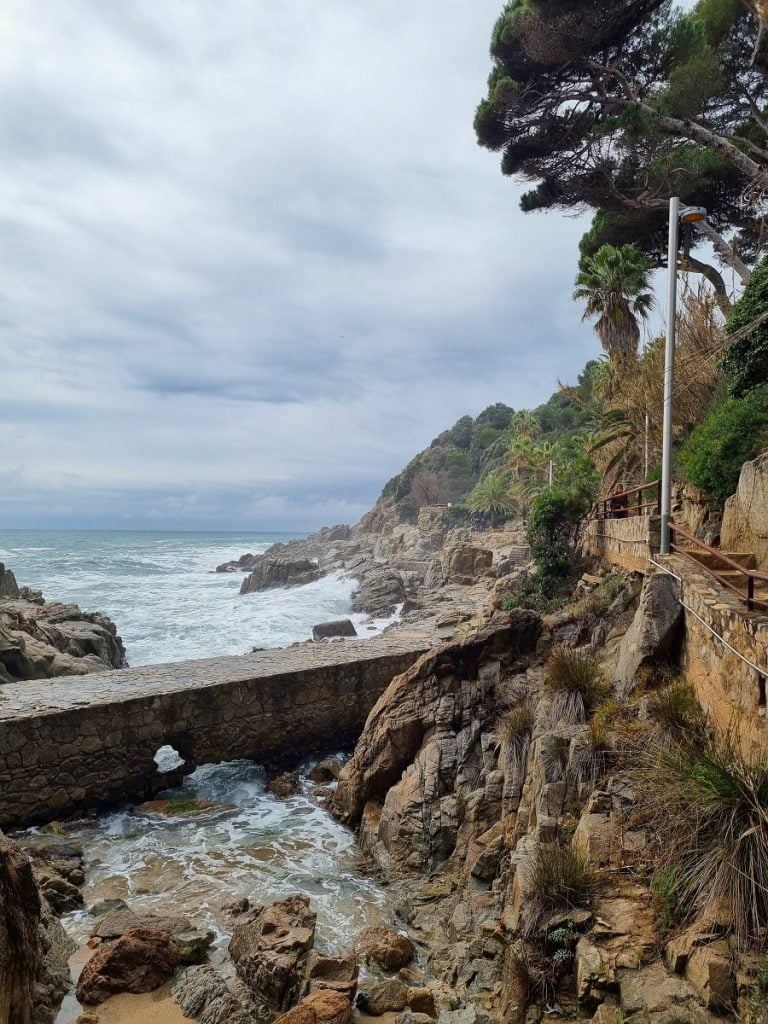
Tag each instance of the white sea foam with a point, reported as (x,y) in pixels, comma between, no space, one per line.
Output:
(162,592)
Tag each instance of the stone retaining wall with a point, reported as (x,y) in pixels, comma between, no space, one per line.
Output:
(70,745)
(625,542)
(733,693)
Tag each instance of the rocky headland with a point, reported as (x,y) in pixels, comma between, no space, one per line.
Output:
(40,639)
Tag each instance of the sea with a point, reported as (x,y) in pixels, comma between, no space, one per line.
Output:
(163,593)
(168,602)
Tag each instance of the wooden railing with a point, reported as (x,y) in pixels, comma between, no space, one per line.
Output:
(640,507)
(746,594)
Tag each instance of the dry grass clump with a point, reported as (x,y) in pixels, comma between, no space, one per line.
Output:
(533,973)
(578,681)
(710,806)
(677,713)
(515,729)
(559,878)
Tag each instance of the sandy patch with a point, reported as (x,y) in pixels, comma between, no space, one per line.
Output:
(156,1007)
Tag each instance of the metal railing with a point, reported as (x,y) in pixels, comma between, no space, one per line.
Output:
(747,594)
(612,507)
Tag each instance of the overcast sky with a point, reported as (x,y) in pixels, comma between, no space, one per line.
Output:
(253,259)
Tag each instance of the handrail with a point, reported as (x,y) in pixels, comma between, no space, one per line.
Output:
(750,574)
(603,509)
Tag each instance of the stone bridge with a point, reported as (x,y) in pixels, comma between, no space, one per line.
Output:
(72,744)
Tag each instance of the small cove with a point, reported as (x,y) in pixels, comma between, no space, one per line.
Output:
(249,845)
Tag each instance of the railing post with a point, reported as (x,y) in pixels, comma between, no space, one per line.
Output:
(750,592)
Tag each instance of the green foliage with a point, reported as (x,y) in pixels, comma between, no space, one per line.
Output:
(710,804)
(539,592)
(675,709)
(553,527)
(492,496)
(615,285)
(757,999)
(735,430)
(745,361)
(665,887)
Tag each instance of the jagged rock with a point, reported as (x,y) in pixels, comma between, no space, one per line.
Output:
(466,1015)
(204,997)
(270,951)
(193,943)
(270,572)
(339,627)
(707,963)
(745,517)
(61,894)
(651,994)
(422,1000)
(465,564)
(323,1007)
(337,973)
(284,785)
(139,961)
(409,1016)
(9,588)
(381,590)
(654,633)
(327,770)
(385,947)
(378,997)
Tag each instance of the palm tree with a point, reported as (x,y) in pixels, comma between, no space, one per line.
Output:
(525,423)
(492,497)
(615,283)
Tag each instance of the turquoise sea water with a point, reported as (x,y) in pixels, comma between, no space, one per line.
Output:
(162,592)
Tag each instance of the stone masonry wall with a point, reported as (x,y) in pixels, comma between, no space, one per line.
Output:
(733,693)
(625,542)
(70,745)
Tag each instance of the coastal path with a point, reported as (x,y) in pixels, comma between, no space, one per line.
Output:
(71,744)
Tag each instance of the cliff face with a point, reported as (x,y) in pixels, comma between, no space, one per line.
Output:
(40,639)
(474,783)
(34,972)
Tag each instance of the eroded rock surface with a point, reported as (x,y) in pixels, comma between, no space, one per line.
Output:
(139,961)
(269,572)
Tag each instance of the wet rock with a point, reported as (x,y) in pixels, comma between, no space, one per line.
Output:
(270,950)
(269,572)
(385,947)
(335,973)
(339,627)
(108,906)
(413,1017)
(204,997)
(465,1015)
(381,590)
(323,1007)
(284,785)
(378,997)
(9,588)
(327,770)
(60,893)
(654,633)
(193,943)
(139,961)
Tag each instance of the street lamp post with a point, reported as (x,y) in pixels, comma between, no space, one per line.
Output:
(690,215)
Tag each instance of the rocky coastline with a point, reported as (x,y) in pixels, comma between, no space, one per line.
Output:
(40,639)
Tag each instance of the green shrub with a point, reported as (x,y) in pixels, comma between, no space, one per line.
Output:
(710,805)
(539,592)
(559,878)
(734,431)
(553,528)
(745,362)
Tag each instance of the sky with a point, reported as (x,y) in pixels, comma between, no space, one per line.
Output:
(253,259)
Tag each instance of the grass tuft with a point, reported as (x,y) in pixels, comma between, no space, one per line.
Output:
(710,806)
(559,878)
(676,712)
(578,682)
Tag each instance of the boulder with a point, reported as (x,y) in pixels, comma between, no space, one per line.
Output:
(381,590)
(139,961)
(334,973)
(655,631)
(193,943)
(651,994)
(466,565)
(284,785)
(203,996)
(422,1000)
(270,951)
(339,627)
(385,947)
(378,997)
(745,518)
(324,1007)
(327,770)
(270,572)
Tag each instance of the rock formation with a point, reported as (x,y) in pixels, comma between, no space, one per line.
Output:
(141,960)
(745,518)
(268,572)
(40,639)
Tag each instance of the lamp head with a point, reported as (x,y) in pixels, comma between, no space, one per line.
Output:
(693,214)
